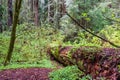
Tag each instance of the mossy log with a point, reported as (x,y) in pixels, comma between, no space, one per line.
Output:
(98,62)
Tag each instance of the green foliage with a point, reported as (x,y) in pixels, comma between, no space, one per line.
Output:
(111,33)
(31,44)
(26,15)
(84,39)
(91,14)
(43,63)
(97,16)
(68,73)
(35,41)
(3,15)
(4,43)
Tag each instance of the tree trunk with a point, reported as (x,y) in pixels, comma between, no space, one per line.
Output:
(13,33)
(94,61)
(31,5)
(10,13)
(51,11)
(36,12)
(0,27)
(1,14)
(62,8)
(48,11)
(0,2)
(56,15)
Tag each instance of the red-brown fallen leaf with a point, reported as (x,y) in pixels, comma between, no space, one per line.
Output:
(97,67)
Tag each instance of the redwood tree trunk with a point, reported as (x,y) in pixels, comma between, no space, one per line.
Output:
(36,12)
(10,13)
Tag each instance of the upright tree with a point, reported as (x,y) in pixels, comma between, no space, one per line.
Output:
(13,33)
(51,11)
(10,13)
(36,12)
(31,1)
(1,13)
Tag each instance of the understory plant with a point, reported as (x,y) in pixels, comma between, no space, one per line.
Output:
(69,73)
(31,44)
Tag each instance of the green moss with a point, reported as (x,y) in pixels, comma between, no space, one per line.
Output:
(55,51)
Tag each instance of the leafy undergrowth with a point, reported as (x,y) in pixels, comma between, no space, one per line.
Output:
(30,46)
(69,73)
(32,43)
(43,63)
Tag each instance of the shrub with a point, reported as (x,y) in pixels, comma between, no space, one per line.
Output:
(68,73)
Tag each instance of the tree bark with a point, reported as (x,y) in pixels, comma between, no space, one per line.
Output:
(62,8)
(95,61)
(51,11)
(1,14)
(0,2)
(48,11)
(0,27)
(31,5)
(10,13)
(13,33)
(36,12)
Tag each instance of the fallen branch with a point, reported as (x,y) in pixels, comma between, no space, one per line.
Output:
(98,62)
(83,27)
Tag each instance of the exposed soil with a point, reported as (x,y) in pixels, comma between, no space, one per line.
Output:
(25,74)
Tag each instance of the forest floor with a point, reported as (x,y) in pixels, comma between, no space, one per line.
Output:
(28,73)
(105,64)
(25,74)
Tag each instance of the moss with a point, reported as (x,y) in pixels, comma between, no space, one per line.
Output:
(55,51)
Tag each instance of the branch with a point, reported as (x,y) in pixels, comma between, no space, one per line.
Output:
(110,19)
(111,43)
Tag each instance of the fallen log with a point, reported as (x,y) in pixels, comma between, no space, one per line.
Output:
(98,62)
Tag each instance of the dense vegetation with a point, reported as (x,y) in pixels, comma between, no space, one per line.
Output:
(46,24)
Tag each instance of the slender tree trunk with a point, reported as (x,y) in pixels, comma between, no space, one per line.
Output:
(0,2)
(62,8)
(48,11)
(10,13)
(57,15)
(1,14)
(0,27)
(28,1)
(13,33)
(51,11)
(31,5)
(36,12)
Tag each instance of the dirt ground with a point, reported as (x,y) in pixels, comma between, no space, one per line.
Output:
(25,74)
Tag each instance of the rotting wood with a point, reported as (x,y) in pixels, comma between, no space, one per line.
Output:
(98,62)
